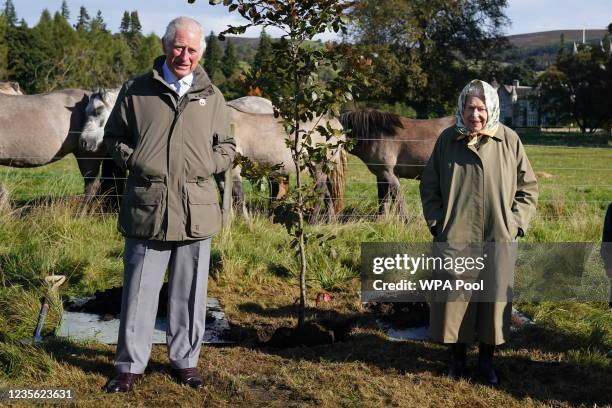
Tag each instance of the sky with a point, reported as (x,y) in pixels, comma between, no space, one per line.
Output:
(526,15)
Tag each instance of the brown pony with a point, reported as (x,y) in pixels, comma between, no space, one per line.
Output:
(392,147)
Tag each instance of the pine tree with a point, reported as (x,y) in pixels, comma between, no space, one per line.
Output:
(213,55)
(124,28)
(150,48)
(83,22)
(561,49)
(135,26)
(266,84)
(45,19)
(230,60)
(134,35)
(21,65)
(264,50)
(9,13)
(3,48)
(56,53)
(98,22)
(109,60)
(65,11)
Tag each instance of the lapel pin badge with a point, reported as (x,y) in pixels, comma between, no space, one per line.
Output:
(202,102)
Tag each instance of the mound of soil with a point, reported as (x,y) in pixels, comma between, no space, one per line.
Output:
(108,303)
(311,334)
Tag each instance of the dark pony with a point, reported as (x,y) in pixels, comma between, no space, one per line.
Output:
(392,147)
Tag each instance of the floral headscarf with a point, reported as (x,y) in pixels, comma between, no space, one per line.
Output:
(486,92)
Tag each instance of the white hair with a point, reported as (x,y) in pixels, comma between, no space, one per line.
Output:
(182,22)
(475,88)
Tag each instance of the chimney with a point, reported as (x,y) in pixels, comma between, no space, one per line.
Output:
(584,35)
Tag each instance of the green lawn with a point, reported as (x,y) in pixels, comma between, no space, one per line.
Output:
(559,361)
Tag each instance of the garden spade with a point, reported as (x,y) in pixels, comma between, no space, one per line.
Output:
(53,282)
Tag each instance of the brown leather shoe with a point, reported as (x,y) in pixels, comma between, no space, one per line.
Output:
(189,376)
(122,382)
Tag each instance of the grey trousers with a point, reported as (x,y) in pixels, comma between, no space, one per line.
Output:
(145,264)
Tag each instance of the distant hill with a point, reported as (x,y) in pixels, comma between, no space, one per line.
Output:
(537,49)
(545,38)
(246,47)
(239,41)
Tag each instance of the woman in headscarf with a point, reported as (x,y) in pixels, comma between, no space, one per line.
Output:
(478,187)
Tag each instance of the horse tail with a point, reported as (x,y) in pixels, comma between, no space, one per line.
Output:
(338,179)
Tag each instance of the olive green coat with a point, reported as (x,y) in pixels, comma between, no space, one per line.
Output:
(172,147)
(482,195)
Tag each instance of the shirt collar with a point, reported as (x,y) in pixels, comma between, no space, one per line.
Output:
(171,79)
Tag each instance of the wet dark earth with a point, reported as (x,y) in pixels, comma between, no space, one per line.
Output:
(312,333)
(401,315)
(107,304)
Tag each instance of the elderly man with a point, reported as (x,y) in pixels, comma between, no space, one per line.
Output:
(170,130)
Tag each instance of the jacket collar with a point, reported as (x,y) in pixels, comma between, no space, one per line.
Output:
(497,135)
(201,86)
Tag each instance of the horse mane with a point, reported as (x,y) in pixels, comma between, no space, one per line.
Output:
(367,124)
(252,104)
(108,96)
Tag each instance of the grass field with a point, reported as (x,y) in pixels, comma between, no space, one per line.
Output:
(561,360)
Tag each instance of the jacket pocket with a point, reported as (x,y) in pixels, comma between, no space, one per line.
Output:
(141,211)
(204,218)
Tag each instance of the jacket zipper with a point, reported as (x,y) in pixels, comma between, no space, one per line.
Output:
(180,107)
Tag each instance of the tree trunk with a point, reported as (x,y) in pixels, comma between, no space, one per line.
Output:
(300,199)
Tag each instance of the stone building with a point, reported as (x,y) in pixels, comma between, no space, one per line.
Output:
(518,105)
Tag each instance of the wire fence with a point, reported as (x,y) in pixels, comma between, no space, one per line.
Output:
(346,198)
(360,205)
